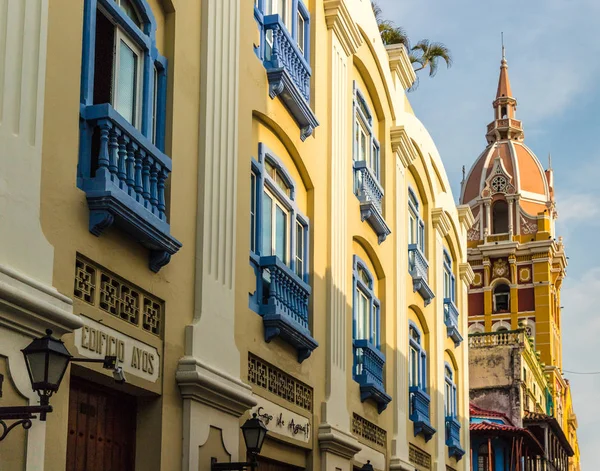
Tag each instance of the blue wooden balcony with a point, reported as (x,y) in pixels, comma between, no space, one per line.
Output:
(123,175)
(419,412)
(370,194)
(451,321)
(453,438)
(368,372)
(418,268)
(288,74)
(284,306)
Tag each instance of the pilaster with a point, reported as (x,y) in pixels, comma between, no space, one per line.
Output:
(344,41)
(209,374)
(401,66)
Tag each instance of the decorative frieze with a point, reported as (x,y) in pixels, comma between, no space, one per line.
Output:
(419,457)
(280,383)
(368,431)
(112,294)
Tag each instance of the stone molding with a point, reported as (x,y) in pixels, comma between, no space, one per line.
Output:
(338,19)
(30,307)
(465,216)
(337,442)
(216,389)
(400,464)
(402,145)
(466,273)
(400,65)
(441,221)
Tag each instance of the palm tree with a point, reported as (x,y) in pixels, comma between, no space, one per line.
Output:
(424,53)
(428,54)
(390,33)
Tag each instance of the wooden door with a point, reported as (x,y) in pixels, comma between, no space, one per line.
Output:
(102,426)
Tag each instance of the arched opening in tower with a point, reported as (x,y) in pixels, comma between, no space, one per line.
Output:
(500,217)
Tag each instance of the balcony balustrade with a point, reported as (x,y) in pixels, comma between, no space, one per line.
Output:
(288,73)
(453,438)
(123,175)
(451,321)
(418,268)
(284,306)
(419,412)
(368,372)
(370,195)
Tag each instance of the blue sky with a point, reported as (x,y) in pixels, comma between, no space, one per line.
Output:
(553,55)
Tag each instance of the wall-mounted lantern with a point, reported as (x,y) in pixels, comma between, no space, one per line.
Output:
(254,431)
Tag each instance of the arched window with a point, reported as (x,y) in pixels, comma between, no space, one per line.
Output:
(121,66)
(417,365)
(449,281)
(501,298)
(500,217)
(366,146)
(485,458)
(416,225)
(450,402)
(366,305)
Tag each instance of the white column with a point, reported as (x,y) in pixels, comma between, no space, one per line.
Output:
(209,373)
(28,302)
(510,216)
(488,218)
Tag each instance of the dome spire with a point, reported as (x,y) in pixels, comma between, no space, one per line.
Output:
(505,124)
(503,82)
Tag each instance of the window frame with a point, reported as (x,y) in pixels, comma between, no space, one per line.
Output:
(262,181)
(367,290)
(421,361)
(449,278)
(419,226)
(144,38)
(450,402)
(120,35)
(495,295)
(363,121)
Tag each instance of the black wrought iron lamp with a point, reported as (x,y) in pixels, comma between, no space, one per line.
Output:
(47,360)
(254,431)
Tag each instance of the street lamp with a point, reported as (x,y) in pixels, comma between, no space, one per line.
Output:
(254,431)
(47,360)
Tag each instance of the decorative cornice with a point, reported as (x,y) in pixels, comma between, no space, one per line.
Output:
(466,273)
(30,307)
(401,65)
(441,221)
(339,443)
(465,216)
(402,145)
(339,19)
(200,382)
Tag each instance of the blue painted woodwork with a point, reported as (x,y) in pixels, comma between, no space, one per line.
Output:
(501,451)
(453,438)
(418,268)
(128,186)
(419,412)
(282,295)
(288,73)
(370,194)
(368,372)
(284,306)
(123,170)
(451,321)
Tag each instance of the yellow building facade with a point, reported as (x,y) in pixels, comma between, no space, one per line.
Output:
(237,201)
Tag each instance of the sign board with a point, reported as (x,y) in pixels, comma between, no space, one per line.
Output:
(282,421)
(95,340)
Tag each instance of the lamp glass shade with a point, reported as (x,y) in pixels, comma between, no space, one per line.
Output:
(254,431)
(47,359)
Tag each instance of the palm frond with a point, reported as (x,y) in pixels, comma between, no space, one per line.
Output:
(377,11)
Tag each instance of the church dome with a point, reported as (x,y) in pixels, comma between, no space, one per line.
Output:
(507,172)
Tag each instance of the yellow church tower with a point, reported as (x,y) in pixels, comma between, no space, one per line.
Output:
(519,263)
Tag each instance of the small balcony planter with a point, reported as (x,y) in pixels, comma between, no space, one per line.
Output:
(419,412)
(123,176)
(368,365)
